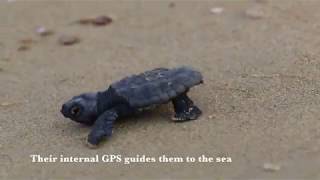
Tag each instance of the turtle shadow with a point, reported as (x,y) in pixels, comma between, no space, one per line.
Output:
(159,115)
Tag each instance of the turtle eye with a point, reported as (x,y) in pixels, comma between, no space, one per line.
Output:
(75,110)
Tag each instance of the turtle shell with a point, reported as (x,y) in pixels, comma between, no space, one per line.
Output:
(156,86)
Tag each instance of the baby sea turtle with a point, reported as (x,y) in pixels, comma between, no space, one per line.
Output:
(134,94)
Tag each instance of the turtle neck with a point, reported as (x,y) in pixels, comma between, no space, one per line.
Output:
(105,100)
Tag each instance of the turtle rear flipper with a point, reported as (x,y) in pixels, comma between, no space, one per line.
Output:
(185,109)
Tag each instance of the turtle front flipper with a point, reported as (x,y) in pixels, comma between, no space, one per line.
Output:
(102,128)
(185,109)
(104,124)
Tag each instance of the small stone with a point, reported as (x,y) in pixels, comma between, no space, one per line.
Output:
(23,48)
(172,4)
(211,116)
(6,104)
(42,31)
(27,41)
(244,75)
(184,127)
(68,40)
(101,21)
(216,10)
(255,13)
(271,167)
(97,21)
(85,21)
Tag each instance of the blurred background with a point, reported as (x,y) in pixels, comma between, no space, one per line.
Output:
(261,67)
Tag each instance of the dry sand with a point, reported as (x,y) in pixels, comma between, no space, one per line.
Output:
(260,60)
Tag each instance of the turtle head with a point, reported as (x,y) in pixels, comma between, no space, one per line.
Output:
(82,108)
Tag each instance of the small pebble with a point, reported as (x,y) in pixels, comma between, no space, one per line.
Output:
(211,116)
(6,104)
(42,31)
(97,21)
(172,5)
(271,167)
(23,48)
(216,10)
(255,13)
(27,41)
(84,21)
(101,21)
(68,40)
(184,127)
(244,75)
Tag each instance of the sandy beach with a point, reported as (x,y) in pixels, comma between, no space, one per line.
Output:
(260,99)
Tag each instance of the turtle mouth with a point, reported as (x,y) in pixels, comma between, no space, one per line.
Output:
(64,111)
(71,111)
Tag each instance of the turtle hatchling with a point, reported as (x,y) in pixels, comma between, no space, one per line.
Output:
(134,94)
